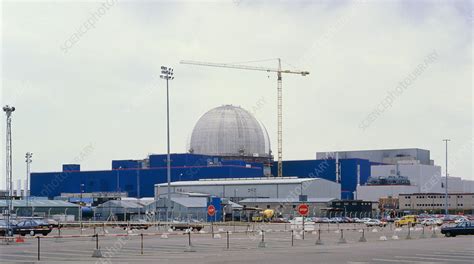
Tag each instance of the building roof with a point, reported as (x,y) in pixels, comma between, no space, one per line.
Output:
(286,200)
(230,131)
(240,181)
(126,203)
(411,194)
(191,202)
(39,203)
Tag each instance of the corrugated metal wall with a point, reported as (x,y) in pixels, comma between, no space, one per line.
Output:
(326,169)
(184,167)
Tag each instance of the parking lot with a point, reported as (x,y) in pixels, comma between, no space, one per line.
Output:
(235,244)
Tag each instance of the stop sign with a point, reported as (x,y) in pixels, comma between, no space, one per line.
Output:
(211,210)
(303,209)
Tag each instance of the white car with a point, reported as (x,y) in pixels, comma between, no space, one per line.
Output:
(375,222)
(363,220)
(460,220)
(429,222)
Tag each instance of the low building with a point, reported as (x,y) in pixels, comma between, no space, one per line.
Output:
(385,156)
(183,208)
(268,187)
(351,208)
(42,208)
(284,207)
(122,210)
(375,192)
(435,202)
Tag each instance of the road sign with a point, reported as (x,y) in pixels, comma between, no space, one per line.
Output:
(211,210)
(303,209)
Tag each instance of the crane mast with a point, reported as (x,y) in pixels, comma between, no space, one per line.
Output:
(280,120)
(279,72)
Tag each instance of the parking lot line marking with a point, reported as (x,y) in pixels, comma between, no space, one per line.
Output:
(403,261)
(432,258)
(448,255)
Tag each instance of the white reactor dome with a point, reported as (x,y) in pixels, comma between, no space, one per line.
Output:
(230,131)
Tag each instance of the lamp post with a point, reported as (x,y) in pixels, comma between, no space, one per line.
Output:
(8,165)
(446,184)
(118,180)
(167,74)
(28,161)
(80,203)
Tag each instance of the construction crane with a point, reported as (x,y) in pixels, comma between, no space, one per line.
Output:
(279,72)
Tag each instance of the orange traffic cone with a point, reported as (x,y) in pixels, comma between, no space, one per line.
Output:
(19,239)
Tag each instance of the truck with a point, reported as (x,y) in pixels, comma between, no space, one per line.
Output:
(185,226)
(264,216)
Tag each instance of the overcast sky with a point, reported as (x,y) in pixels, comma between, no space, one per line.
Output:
(84,76)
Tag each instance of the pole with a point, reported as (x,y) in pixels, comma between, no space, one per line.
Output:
(38,247)
(446,185)
(303,227)
(141,236)
(8,166)
(227,239)
(280,119)
(168,162)
(97,241)
(138,182)
(292,237)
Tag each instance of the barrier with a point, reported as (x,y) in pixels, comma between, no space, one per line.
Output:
(433,235)
(39,247)
(362,238)
(262,243)
(342,240)
(278,235)
(97,253)
(319,242)
(422,233)
(292,237)
(190,247)
(141,244)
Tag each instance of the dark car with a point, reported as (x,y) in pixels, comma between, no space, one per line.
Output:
(464,228)
(4,226)
(31,227)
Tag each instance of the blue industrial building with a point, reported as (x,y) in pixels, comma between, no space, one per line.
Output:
(127,175)
(326,169)
(138,177)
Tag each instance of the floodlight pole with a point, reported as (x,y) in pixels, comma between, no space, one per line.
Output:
(9,183)
(446,211)
(167,74)
(28,161)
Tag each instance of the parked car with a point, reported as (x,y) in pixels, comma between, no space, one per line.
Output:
(140,224)
(31,227)
(409,220)
(4,227)
(375,222)
(461,220)
(324,220)
(431,222)
(363,220)
(464,228)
